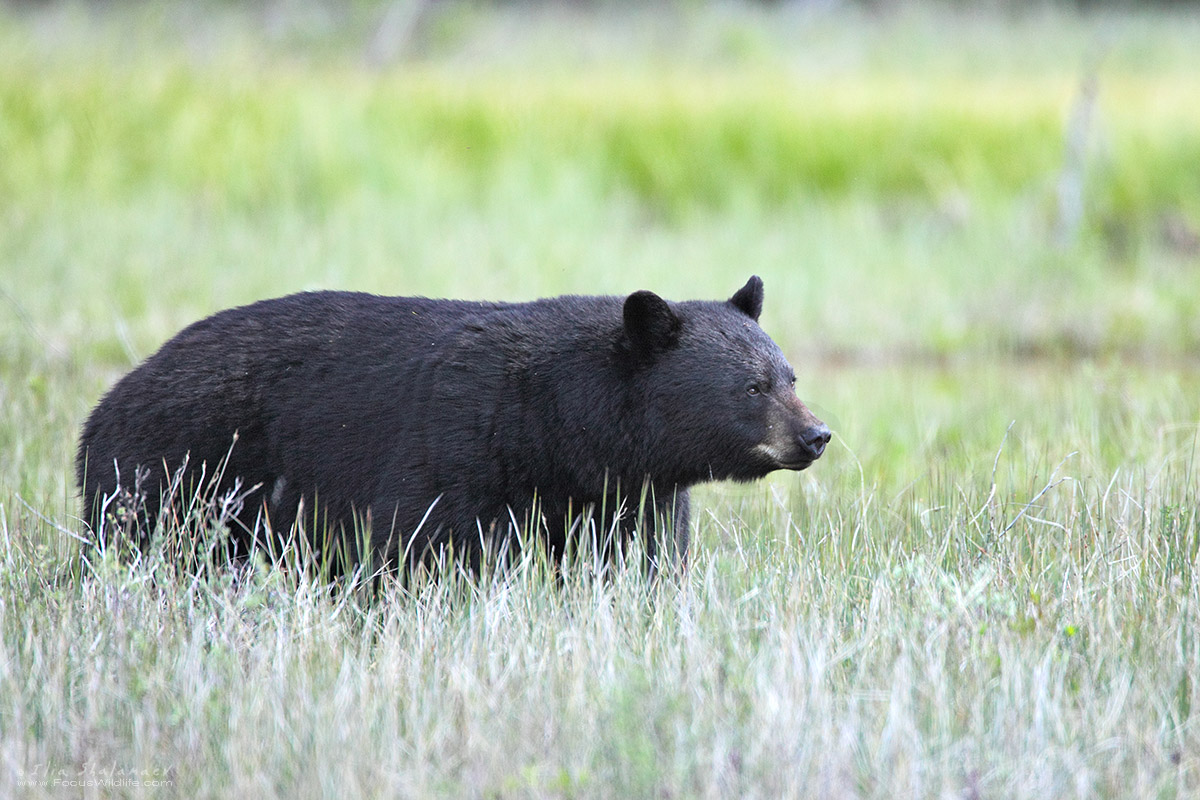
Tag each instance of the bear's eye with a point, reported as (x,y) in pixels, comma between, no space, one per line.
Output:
(753,389)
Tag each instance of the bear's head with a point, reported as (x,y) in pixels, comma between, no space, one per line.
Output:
(722,396)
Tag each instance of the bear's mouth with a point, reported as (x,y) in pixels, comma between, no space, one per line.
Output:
(794,459)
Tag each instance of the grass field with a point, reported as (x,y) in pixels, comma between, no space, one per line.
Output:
(986,589)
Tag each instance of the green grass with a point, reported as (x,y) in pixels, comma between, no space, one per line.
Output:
(677,142)
(987,588)
(764,127)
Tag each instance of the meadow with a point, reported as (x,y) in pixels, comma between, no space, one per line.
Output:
(980,238)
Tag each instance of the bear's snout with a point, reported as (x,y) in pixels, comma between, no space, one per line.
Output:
(796,442)
(815,438)
(807,445)
(803,435)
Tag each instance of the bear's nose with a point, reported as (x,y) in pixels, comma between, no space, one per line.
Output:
(816,438)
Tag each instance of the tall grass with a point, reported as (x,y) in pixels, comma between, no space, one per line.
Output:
(967,597)
(831,637)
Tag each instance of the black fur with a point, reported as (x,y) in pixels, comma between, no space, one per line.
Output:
(451,416)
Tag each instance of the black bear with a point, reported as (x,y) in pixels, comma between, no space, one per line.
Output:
(403,424)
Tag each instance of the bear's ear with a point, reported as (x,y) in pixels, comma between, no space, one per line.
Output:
(748,299)
(650,323)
